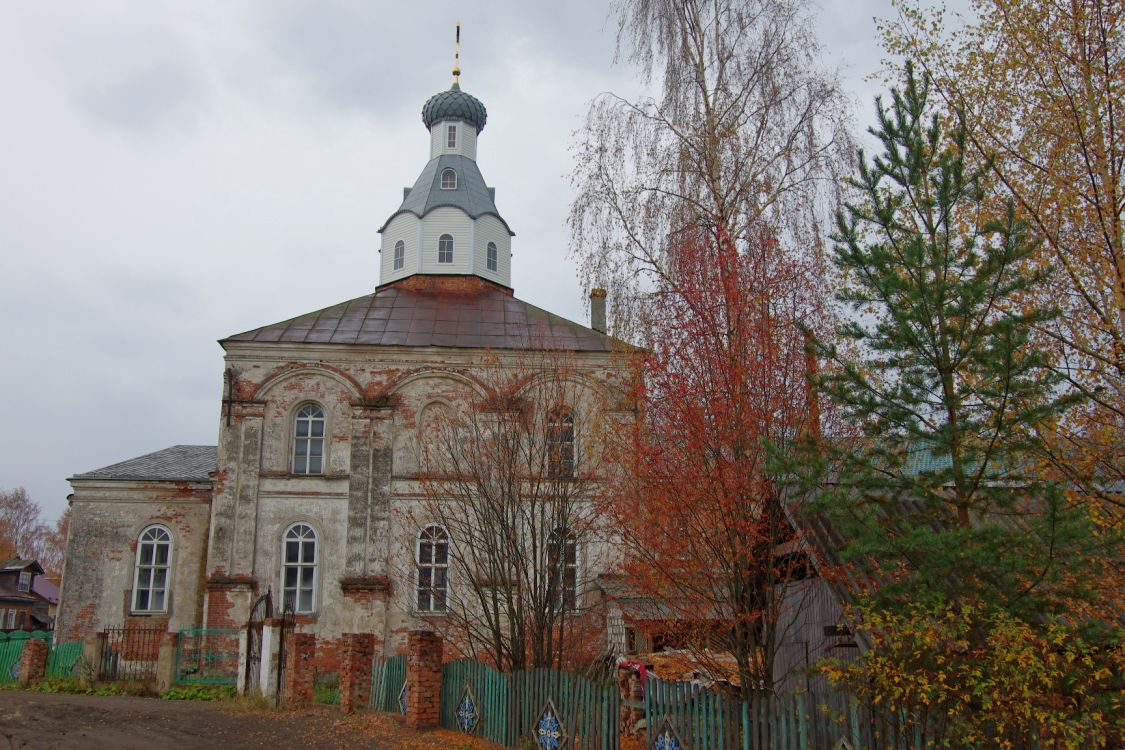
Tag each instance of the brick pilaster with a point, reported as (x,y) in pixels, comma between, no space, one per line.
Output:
(299,651)
(423,679)
(33,661)
(357,651)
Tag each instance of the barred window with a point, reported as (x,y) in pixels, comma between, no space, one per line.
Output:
(308,440)
(560,443)
(400,255)
(298,571)
(491,256)
(432,563)
(445,249)
(150,577)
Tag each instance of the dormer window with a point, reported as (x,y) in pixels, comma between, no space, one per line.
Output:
(451,136)
(25,581)
(445,249)
(448,179)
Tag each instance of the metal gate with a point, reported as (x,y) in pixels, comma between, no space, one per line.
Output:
(261,610)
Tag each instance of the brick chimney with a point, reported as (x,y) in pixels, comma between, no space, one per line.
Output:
(597,309)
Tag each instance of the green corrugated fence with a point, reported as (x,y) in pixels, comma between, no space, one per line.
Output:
(62,660)
(388,680)
(474,699)
(10,651)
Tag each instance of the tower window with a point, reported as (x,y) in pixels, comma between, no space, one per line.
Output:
(308,440)
(490,257)
(560,443)
(400,254)
(562,565)
(431,588)
(448,179)
(150,576)
(451,136)
(445,249)
(298,571)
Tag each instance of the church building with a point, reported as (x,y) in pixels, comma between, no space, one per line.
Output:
(312,492)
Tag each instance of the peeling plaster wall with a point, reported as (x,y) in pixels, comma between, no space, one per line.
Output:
(106,519)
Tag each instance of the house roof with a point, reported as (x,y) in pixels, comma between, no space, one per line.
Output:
(18,563)
(180,463)
(44,588)
(441,311)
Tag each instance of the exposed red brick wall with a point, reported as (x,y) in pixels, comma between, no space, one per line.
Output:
(33,661)
(298,682)
(357,651)
(423,679)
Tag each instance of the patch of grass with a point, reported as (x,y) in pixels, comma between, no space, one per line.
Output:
(329,694)
(198,693)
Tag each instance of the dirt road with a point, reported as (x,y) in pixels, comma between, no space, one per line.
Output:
(42,721)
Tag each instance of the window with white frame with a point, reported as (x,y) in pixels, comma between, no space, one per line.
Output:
(451,136)
(490,256)
(560,443)
(562,565)
(150,578)
(308,440)
(11,624)
(445,249)
(25,581)
(298,569)
(432,565)
(448,179)
(400,255)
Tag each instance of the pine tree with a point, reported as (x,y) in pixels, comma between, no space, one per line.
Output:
(956,535)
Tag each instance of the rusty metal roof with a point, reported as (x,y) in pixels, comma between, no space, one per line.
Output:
(445,311)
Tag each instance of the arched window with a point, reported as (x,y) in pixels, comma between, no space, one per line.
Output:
(448,179)
(298,568)
(562,566)
(560,443)
(445,249)
(432,562)
(451,136)
(308,440)
(490,256)
(150,579)
(400,254)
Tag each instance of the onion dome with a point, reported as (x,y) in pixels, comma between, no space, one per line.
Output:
(454,104)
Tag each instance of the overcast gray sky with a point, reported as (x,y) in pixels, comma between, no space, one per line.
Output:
(175,172)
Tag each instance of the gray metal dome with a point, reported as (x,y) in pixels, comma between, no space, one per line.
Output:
(454,104)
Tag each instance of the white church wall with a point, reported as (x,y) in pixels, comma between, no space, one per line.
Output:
(452,221)
(403,227)
(491,229)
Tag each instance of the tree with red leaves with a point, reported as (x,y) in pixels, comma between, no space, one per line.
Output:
(724,385)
